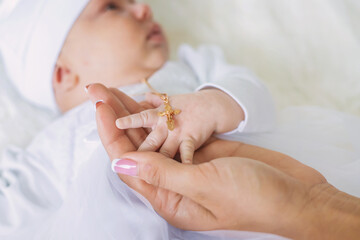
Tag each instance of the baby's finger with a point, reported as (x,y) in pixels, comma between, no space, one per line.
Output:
(153,99)
(187,149)
(132,106)
(147,119)
(170,146)
(154,140)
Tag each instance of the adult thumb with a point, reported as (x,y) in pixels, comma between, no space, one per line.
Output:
(160,171)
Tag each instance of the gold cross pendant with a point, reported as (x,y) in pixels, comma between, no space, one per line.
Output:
(169,112)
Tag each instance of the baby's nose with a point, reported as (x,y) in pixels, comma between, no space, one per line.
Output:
(142,11)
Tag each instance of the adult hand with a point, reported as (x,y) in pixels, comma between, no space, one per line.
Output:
(245,194)
(176,207)
(273,193)
(225,193)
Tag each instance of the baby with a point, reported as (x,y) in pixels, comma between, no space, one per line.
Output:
(52,51)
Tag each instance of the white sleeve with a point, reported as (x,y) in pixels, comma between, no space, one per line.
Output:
(27,190)
(250,93)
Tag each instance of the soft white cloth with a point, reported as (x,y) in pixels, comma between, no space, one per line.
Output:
(31,39)
(61,186)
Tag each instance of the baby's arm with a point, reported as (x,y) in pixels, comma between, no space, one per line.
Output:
(212,71)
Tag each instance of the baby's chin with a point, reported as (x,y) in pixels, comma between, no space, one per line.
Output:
(158,59)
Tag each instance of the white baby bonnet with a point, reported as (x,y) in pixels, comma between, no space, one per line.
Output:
(31,38)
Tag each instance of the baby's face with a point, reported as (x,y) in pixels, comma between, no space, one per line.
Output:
(115,42)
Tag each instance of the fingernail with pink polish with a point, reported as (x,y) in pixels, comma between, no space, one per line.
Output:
(124,166)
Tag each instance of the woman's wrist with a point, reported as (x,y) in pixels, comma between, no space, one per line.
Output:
(328,214)
(223,106)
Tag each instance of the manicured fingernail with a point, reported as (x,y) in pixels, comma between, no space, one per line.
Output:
(87,88)
(124,166)
(98,104)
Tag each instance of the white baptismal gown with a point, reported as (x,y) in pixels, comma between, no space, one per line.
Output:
(62,187)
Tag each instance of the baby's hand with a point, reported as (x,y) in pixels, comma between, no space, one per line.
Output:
(202,114)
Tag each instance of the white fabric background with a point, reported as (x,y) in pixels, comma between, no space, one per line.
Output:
(307,52)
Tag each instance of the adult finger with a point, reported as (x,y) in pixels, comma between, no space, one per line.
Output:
(116,143)
(114,140)
(148,119)
(130,104)
(178,209)
(146,105)
(187,149)
(98,92)
(164,172)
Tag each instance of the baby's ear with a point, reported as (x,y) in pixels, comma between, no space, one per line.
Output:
(64,79)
